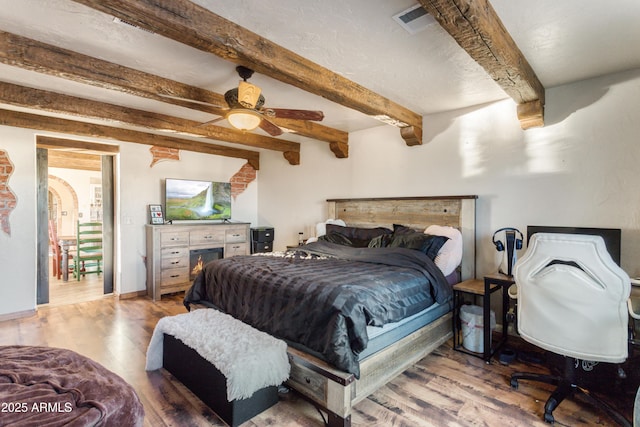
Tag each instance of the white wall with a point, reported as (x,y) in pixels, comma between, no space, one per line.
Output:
(138,186)
(80,181)
(578,170)
(17,251)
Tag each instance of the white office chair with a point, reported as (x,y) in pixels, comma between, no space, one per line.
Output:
(572,300)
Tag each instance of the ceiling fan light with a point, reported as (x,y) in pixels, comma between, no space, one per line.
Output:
(244,120)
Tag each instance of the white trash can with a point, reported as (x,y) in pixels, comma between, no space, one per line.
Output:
(472,327)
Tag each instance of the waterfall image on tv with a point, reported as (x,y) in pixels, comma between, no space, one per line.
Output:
(197,200)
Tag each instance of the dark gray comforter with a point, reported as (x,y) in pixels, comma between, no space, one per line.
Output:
(322,295)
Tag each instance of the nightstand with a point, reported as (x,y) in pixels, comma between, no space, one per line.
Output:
(484,289)
(262,239)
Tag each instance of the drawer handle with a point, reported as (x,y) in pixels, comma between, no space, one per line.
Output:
(175,275)
(175,252)
(175,262)
(208,237)
(236,235)
(307,380)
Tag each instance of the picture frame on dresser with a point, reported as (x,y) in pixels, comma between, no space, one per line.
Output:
(156,216)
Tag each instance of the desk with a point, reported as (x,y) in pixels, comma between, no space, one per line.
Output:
(65,243)
(483,288)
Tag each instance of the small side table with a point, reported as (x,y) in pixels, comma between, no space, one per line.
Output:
(482,288)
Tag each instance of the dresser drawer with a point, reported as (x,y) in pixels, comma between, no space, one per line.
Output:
(235,235)
(262,234)
(174,262)
(174,238)
(174,252)
(206,237)
(232,249)
(260,247)
(174,276)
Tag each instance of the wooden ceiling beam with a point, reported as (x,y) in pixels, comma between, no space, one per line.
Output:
(54,124)
(22,96)
(336,138)
(70,160)
(48,59)
(51,60)
(196,26)
(477,28)
(74,145)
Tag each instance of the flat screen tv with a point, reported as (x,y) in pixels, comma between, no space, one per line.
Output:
(612,236)
(187,199)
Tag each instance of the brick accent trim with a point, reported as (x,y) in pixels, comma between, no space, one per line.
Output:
(71,191)
(241,179)
(8,199)
(163,153)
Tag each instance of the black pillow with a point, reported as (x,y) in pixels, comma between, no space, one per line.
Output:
(403,229)
(359,237)
(405,237)
(381,241)
(336,238)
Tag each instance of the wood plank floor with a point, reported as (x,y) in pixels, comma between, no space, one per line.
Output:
(447,388)
(89,288)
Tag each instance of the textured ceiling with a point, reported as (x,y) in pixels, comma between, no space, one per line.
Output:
(564,41)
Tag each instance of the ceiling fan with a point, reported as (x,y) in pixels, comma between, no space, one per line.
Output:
(247,111)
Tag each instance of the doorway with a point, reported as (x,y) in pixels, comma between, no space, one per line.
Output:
(81,188)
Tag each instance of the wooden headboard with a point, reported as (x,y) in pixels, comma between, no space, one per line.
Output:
(418,213)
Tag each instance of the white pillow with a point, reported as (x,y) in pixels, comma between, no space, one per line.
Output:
(321,227)
(450,255)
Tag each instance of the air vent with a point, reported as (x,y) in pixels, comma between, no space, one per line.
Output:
(414,19)
(122,21)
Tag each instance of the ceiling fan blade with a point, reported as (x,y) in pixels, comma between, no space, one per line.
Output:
(287,113)
(192,101)
(210,122)
(270,128)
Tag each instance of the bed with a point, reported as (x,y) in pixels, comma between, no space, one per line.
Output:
(386,307)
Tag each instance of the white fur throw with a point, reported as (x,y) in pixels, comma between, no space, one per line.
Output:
(248,358)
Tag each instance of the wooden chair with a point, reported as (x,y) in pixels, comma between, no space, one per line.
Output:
(57,251)
(88,259)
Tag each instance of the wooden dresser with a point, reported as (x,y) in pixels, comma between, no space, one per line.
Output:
(169,248)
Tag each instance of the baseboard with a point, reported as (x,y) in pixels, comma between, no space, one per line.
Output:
(134,294)
(17,315)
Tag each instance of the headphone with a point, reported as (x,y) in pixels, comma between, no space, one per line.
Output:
(500,246)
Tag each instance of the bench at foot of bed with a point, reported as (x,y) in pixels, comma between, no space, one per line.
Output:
(210,385)
(233,368)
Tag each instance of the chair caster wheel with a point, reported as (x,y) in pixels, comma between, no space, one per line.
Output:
(549,418)
(514,384)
